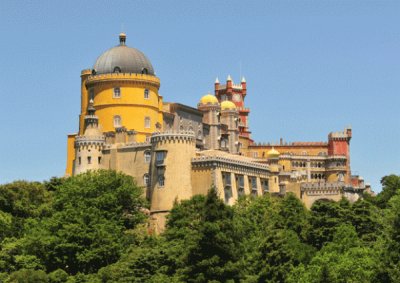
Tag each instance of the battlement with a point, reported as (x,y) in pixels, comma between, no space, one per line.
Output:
(173,136)
(321,186)
(89,140)
(345,134)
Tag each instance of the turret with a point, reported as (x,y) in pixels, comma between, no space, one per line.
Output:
(211,110)
(230,133)
(172,154)
(88,147)
(339,146)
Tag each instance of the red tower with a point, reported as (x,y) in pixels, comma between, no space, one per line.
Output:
(235,93)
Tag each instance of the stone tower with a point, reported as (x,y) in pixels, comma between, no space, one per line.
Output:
(88,147)
(235,93)
(211,120)
(229,124)
(170,172)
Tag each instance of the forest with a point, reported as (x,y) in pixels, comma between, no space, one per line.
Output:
(94,227)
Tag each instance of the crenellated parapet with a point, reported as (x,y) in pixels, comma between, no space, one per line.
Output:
(322,188)
(82,141)
(186,136)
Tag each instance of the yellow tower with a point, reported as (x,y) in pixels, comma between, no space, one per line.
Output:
(124,90)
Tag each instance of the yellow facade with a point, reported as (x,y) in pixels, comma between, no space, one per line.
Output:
(132,105)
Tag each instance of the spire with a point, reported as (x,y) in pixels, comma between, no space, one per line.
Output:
(243,80)
(229,78)
(122,38)
(217,81)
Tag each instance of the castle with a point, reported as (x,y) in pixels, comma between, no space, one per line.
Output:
(176,151)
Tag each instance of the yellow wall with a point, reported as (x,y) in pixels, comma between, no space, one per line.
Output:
(131,106)
(70,154)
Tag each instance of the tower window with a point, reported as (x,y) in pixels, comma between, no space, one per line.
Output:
(146,179)
(79,161)
(89,160)
(161,180)
(117,70)
(117,121)
(147,122)
(145,71)
(146,94)
(117,92)
(99,159)
(147,156)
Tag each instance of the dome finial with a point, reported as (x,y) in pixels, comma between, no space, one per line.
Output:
(122,38)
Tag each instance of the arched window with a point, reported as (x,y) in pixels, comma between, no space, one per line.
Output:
(146,94)
(117,70)
(146,179)
(117,92)
(147,122)
(147,156)
(145,71)
(117,121)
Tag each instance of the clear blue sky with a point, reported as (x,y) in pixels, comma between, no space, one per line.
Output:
(311,66)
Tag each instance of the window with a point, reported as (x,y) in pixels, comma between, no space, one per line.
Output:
(146,94)
(146,179)
(117,121)
(160,156)
(117,70)
(89,160)
(117,92)
(226,176)
(79,160)
(99,159)
(147,156)
(161,180)
(148,138)
(264,184)
(145,71)
(240,184)
(147,122)
(253,185)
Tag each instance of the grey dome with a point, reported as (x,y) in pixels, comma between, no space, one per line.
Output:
(123,59)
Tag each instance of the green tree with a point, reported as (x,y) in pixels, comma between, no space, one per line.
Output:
(213,253)
(87,230)
(390,187)
(326,216)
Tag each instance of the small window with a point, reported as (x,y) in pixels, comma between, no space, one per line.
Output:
(145,71)
(148,138)
(146,179)
(146,94)
(147,122)
(117,70)
(79,160)
(117,92)
(99,159)
(117,121)
(89,160)
(161,180)
(160,156)
(147,156)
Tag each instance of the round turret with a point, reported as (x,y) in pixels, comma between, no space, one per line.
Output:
(228,105)
(208,99)
(273,153)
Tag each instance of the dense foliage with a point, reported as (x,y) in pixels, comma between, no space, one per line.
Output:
(94,228)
